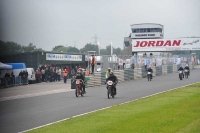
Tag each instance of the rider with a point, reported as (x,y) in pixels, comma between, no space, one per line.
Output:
(108,72)
(80,69)
(150,70)
(114,79)
(187,68)
(181,69)
(81,76)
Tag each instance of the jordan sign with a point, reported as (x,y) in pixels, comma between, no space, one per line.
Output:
(165,44)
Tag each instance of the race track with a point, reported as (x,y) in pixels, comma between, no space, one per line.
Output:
(25,113)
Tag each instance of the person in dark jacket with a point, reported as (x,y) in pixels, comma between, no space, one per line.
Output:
(114,79)
(13,78)
(181,69)
(187,68)
(150,70)
(46,75)
(81,76)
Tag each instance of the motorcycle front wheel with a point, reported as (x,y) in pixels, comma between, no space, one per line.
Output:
(149,78)
(180,76)
(77,91)
(109,92)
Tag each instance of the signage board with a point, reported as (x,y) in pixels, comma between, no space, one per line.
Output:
(165,44)
(63,57)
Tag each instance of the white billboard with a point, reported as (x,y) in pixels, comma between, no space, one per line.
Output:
(165,44)
(63,57)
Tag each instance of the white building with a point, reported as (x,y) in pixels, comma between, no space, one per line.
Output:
(144,31)
(147,31)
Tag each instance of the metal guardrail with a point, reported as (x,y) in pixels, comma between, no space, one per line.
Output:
(14,81)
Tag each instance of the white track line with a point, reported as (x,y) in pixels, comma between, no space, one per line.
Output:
(105,108)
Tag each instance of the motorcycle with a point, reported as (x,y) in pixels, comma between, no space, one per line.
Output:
(79,88)
(149,76)
(186,73)
(181,75)
(110,89)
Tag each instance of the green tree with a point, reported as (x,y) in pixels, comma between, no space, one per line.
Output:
(104,52)
(60,48)
(89,47)
(9,47)
(117,51)
(72,49)
(29,48)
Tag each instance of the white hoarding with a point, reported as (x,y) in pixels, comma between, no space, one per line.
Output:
(63,57)
(165,44)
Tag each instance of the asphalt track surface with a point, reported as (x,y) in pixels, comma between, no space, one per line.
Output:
(26,113)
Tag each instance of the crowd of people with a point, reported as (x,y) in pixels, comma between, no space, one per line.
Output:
(10,78)
(53,74)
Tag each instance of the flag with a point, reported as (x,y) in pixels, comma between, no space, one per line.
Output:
(98,43)
(111,48)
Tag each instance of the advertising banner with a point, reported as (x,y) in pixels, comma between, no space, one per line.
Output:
(165,44)
(63,57)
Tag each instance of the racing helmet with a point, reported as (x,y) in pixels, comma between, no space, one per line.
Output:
(186,65)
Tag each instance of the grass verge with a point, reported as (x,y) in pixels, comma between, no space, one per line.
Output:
(176,111)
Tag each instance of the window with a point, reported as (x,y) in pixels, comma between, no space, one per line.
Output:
(133,30)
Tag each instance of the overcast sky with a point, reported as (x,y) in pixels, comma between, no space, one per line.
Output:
(47,23)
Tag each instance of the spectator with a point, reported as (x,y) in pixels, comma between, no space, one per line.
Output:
(65,74)
(93,62)
(51,74)
(56,74)
(13,78)
(23,77)
(59,74)
(7,79)
(43,74)
(20,76)
(46,74)
(123,65)
(26,77)
(38,76)
(133,66)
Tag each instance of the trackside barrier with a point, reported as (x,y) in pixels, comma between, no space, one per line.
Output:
(129,74)
(14,81)
(164,69)
(154,71)
(158,70)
